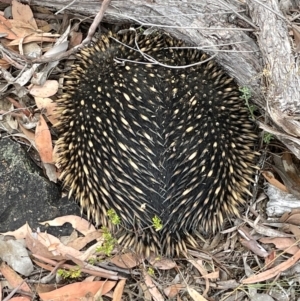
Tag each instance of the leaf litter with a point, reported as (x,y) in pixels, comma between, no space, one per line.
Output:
(255,250)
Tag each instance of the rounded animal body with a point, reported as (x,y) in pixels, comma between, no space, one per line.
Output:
(152,130)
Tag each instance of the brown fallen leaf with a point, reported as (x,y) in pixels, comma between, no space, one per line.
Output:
(126,260)
(162,263)
(31,38)
(156,295)
(77,222)
(23,13)
(6,27)
(288,244)
(118,292)
(274,271)
(273,181)
(14,279)
(292,217)
(198,264)
(173,290)
(4,63)
(22,30)
(44,288)
(43,141)
(80,242)
(49,88)
(20,233)
(78,290)
(47,104)
(195,295)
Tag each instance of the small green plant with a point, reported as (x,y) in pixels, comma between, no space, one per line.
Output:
(108,244)
(113,217)
(150,272)
(268,137)
(157,224)
(92,260)
(72,274)
(246,95)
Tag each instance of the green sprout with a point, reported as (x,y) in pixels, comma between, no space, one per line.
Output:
(113,217)
(108,244)
(72,274)
(246,95)
(268,137)
(150,272)
(157,224)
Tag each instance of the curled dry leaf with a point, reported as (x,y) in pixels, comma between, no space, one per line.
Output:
(288,244)
(162,263)
(20,233)
(49,246)
(268,274)
(77,222)
(269,176)
(292,217)
(80,242)
(126,261)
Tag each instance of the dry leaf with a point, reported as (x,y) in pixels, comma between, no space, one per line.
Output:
(22,30)
(76,38)
(77,222)
(195,295)
(49,88)
(118,292)
(4,64)
(6,27)
(287,244)
(14,279)
(47,104)
(20,233)
(126,261)
(29,39)
(271,179)
(162,263)
(156,295)
(80,242)
(23,13)
(173,290)
(44,266)
(212,275)
(43,141)
(292,217)
(274,271)
(78,290)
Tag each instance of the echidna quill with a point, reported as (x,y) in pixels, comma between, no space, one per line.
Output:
(153,131)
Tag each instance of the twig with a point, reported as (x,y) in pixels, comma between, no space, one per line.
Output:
(96,21)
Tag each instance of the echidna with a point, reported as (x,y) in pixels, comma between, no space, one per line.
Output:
(152,130)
